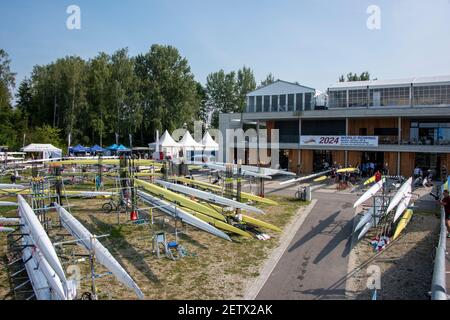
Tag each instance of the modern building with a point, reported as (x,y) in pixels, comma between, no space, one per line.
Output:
(396,124)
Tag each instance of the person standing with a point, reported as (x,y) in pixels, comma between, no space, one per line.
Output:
(444,173)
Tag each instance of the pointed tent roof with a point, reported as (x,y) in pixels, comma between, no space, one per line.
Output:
(122,148)
(79,148)
(166,141)
(209,143)
(189,143)
(113,147)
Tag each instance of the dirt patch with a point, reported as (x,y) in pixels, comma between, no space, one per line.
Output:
(406,266)
(213,269)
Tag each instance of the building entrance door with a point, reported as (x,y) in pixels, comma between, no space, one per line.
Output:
(321,160)
(371,162)
(284,159)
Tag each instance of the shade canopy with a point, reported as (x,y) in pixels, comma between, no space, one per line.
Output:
(188,143)
(78,149)
(113,147)
(122,148)
(208,143)
(47,150)
(97,148)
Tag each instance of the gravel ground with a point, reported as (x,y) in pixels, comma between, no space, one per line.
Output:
(406,266)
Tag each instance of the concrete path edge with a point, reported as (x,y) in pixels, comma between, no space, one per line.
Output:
(275,256)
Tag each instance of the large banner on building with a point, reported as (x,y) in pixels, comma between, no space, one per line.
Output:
(343,141)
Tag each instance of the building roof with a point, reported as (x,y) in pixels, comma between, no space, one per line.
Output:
(390,82)
(280,87)
(36,147)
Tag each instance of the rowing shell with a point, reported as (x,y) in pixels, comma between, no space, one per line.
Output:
(9,220)
(44,280)
(6,229)
(181,214)
(368,216)
(305,178)
(180,199)
(403,223)
(208,196)
(403,204)
(102,255)
(218,189)
(369,193)
(8,204)
(368,226)
(347,170)
(370,180)
(320,179)
(40,237)
(402,192)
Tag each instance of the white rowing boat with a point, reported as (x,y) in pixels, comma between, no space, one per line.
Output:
(244,172)
(208,196)
(369,215)
(370,193)
(309,177)
(102,255)
(402,193)
(44,280)
(8,204)
(177,212)
(40,238)
(404,203)
(6,229)
(12,186)
(9,220)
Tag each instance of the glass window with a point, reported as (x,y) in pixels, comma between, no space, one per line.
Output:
(299,102)
(283,104)
(431,95)
(398,96)
(291,98)
(357,98)
(266,103)
(308,101)
(337,99)
(274,103)
(251,104)
(259,101)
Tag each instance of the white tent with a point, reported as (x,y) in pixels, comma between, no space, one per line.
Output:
(209,144)
(47,150)
(188,143)
(167,145)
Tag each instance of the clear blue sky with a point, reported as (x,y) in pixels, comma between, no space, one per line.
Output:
(311,42)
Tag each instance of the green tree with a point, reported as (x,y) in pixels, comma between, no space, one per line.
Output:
(268,80)
(245,83)
(46,134)
(8,135)
(364,76)
(170,92)
(222,94)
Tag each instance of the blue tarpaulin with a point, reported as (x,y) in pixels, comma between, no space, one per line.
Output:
(78,149)
(113,147)
(96,149)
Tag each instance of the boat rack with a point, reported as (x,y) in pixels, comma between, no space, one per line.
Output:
(20,283)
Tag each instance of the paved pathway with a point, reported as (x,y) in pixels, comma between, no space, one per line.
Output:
(317,257)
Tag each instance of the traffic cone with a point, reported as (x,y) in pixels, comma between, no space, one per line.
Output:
(133,216)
